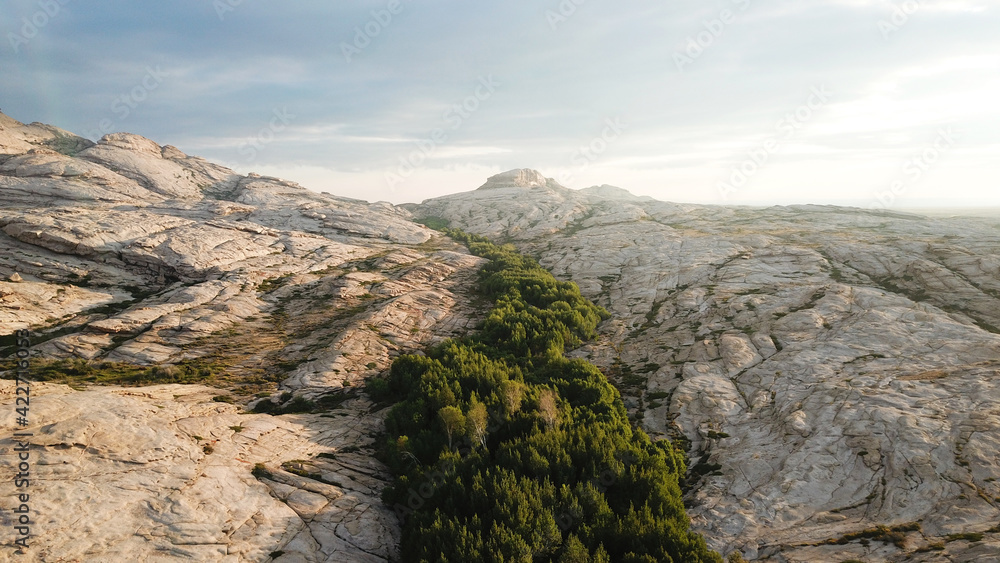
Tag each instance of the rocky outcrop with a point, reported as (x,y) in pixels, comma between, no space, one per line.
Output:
(523,179)
(165,472)
(136,254)
(832,369)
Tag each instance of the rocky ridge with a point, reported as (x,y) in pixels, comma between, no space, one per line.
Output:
(832,370)
(127,253)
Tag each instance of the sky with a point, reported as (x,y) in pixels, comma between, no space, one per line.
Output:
(853,102)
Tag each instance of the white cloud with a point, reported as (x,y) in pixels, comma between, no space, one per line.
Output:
(685,132)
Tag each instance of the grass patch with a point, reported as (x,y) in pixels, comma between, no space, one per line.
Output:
(895,535)
(649,368)
(436,223)
(78,371)
(300,405)
(967,536)
(8,342)
(271,284)
(936,546)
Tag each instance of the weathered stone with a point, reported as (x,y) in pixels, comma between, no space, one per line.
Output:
(834,362)
(140,254)
(838,365)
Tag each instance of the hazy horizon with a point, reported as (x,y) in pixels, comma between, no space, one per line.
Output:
(869,104)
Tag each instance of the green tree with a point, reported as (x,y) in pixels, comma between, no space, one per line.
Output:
(476,420)
(453,421)
(512,392)
(566,480)
(574,551)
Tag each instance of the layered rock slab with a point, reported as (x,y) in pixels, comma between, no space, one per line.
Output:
(164,473)
(831,369)
(126,251)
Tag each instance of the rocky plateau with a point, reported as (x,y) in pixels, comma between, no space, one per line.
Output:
(830,370)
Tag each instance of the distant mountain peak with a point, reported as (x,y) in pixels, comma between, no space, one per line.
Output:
(518,178)
(606,191)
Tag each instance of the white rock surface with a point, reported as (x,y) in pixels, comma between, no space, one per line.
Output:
(840,367)
(832,369)
(126,251)
(164,473)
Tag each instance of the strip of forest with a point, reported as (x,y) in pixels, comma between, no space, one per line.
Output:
(505,450)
